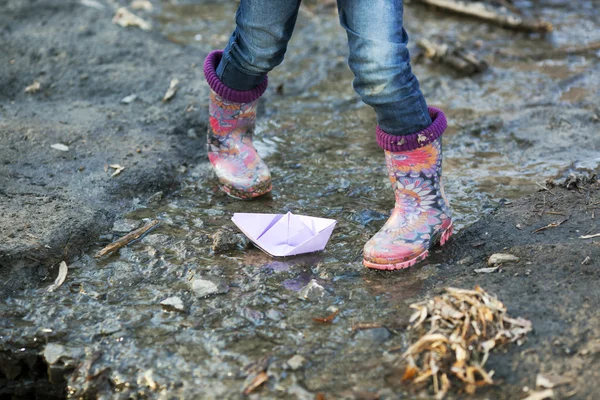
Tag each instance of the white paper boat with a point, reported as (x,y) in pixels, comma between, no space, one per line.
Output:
(283,235)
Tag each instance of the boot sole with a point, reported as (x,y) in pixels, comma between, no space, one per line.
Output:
(409,263)
(243,195)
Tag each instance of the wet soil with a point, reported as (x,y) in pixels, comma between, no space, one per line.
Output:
(104,332)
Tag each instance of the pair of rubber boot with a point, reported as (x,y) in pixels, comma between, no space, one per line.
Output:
(421,216)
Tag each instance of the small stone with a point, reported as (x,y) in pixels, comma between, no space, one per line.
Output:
(204,287)
(53,352)
(129,99)
(155,198)
(274,315)
(173,303)
(313,291)
(224,241)
(192,133)
(157,239)
(586,261)
(296,362)
(125,225)
(374,335)
(500,258)
(466,261)
(60,147)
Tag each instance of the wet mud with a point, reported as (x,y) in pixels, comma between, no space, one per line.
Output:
(180,315)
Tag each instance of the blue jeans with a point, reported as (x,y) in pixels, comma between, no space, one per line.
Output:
(378,57)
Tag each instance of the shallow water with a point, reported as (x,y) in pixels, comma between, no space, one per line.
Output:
(506,136)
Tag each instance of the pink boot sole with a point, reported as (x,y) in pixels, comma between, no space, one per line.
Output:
(405,264)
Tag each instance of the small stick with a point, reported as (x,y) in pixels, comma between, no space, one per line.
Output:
(327,320)
(125,240)
(454,57)
(480,11)
(589,236)
(552,225)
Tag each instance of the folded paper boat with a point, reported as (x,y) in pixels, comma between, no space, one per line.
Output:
(283,235)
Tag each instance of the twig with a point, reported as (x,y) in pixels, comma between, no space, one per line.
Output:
(589,236)
(454,57)
(327,320)
(125,240)
(480,11)
(552,225)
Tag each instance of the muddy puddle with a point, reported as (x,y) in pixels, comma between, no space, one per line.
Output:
(507,135)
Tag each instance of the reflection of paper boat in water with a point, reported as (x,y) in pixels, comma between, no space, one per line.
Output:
(283,235)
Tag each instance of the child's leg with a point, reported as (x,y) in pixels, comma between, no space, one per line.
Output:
(258,43)
(237,78)
(380,62)
(408,131)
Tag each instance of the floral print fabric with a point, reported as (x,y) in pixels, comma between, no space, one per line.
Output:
(241,171)
(421,216)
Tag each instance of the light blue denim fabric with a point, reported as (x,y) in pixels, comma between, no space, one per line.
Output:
(378,57)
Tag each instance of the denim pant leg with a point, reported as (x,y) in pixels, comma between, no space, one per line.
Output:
(258,44)
(380,62)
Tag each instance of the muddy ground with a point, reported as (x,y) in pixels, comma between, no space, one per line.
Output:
(104,334)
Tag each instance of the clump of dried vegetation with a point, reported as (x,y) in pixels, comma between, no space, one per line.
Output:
(455,333)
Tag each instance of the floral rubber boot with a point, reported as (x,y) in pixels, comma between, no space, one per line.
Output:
(421,217)
(232,115)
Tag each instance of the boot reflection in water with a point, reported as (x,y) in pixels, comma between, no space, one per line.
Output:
(408,130)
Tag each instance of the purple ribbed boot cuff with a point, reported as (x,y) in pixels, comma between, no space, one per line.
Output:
(414,141)
(236,96)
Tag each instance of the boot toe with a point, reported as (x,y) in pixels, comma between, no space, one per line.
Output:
(386,253)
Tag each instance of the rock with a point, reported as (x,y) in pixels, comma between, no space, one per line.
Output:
(296,362)
(313,291)
(157,239)
(274,315)
(53,352)
(500,258)
(374,335)
(125,225)
(224,241)
(204,287)
(253,316)
(173,303)
(155,198)
(466,261)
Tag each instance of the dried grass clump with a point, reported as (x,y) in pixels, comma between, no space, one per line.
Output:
(456,332)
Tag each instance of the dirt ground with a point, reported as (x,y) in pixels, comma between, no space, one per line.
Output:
(104,333)
(55,203)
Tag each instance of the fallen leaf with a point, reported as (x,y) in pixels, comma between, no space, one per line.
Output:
(327,320)
(125,18)
(141,5)
(172,90)
(118,169)
(60,146)
(129,99)
(92,4)
(543,395)
(258,380)
(486,270)
(500,258)
(62,275)
(33,88)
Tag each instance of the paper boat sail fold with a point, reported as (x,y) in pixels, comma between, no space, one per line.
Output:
(288,234)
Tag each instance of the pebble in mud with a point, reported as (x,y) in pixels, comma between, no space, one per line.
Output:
(374,335)
(224,241)
(296,362)
(313,291)
(125,225)
(204,287)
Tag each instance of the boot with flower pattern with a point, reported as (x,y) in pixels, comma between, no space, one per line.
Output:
(421,217)
(232,115)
